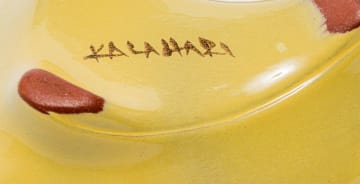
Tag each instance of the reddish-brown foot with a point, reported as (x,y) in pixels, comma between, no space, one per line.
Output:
(341,15)
(49,93)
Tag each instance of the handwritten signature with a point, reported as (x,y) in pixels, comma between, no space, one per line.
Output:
(168,49)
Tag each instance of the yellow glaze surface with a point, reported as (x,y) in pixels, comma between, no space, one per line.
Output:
(284,110)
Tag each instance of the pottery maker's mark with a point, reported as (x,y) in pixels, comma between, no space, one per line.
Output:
(168,49)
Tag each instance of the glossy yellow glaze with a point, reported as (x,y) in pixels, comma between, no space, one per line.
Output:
(285,109)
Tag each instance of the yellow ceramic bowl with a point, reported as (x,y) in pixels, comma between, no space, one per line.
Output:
(196,92)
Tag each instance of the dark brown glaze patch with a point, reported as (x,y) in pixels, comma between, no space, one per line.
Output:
(341,15)
(47,92)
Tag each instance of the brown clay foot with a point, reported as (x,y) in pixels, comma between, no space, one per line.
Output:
(341,15)
(47,92)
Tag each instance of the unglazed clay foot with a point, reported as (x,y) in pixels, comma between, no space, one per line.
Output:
(47,92)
